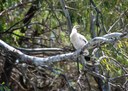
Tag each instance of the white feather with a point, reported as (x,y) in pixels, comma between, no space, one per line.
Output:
(78,40)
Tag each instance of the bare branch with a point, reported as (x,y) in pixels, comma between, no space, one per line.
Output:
(37,60)
(108,38)
(39,49)
(65,10)
(14,7)
(118,77)
(73,55)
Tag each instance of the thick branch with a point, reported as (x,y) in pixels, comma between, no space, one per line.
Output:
(38,60)
(39,49)
(41,61)
(108,38)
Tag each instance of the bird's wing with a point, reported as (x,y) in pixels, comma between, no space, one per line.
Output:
(86,52)
(83,38)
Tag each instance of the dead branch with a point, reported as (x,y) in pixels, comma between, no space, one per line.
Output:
(108,38)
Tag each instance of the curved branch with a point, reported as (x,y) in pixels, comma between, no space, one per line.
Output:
(73,55)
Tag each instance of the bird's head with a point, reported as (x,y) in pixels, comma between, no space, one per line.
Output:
(74,29)
(76,26)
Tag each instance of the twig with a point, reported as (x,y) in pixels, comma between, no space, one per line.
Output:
(78,81)
(115,61)
(97,18)
(14,7)
(110,28)
(19,84)
(118,77)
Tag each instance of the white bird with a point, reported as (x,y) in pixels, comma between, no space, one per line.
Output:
(78,40)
